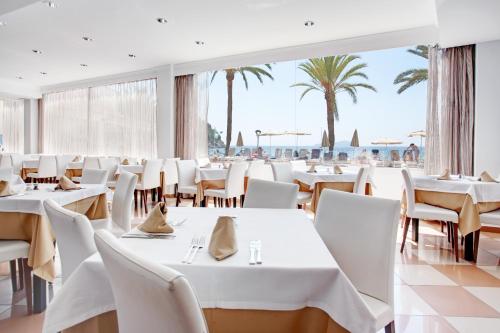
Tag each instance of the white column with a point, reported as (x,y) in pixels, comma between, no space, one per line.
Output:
(165,120)
(30,126)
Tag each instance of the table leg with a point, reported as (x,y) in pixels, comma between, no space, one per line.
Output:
(39,294)
(414,230)
(469,247)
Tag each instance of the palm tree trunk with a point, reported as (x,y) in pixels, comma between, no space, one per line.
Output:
(229,125)
(330,111)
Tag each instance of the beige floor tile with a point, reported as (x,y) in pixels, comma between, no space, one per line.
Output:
(407,302)
(488,295)
(439,257)
(486,258)
(454,301)
(475,325)
(468,275)
(493,270)
(422,275)
(422,324)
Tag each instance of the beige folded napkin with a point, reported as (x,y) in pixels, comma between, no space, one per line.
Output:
(66,184)
(125,162)
(143,161)
(486,177)
(157,221)
(76,159)
(223,240)
(337,170)
(445,175)
(312,168)
(5,189)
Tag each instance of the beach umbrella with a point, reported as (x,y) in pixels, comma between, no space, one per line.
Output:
(355,139)
(325,143)
(239,142)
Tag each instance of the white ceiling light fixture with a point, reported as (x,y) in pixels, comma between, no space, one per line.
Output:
(43,73)
(19,77)
(199,42)
(309,23)
(36,51)
(50,4)
(131,55)
(161,20)
(84,65)
(2,24)
(88,39)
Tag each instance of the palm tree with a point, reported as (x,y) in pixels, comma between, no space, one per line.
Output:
(413,76)
(331,76)
(230,74)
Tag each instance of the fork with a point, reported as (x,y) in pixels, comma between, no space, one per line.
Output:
(194,242)
(199,245)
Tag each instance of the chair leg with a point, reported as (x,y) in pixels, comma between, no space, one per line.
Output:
(405,232)
(476,243)
(28,289)
(234,202)
(442,225)
(194,200)
(145,195)
(135,199)
(242,200)
(390,328)
(227,203)
(13,275)
(21,273)
(177,199)
(215,202)
(448,227)
(455,237)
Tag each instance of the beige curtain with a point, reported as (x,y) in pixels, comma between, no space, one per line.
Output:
(191,106)
(432,141)
(457,114)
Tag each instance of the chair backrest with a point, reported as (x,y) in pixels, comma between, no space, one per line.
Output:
(110,164)
(17,162)
(202,161)
(186,170)
(62,162)
(148,296)
(151,175)
(299,165)
(361,179)
(6,174)
(303,153)
(288,153)
(278,153)
(6,161)
(47,166)
(170,170)
(121,212)
(315,153)
(94,176)
(260,171)
(91,162)
(409,190)
(235,179)
(342,156)
(270,194)
(361,230)
(282,172)
(328,156)
(74,235)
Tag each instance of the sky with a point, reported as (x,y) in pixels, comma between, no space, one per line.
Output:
(275,106)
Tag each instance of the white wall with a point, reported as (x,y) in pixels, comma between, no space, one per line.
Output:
(487,124)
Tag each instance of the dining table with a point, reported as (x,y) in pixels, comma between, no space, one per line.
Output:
(297,284)
(22,217)
(468,196)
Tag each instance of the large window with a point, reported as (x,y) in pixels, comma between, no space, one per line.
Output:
(115,120)
(12,124)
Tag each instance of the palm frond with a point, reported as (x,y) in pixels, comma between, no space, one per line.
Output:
(213,76)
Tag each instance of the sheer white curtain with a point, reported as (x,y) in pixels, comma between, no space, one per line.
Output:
(202,86)
(12,124)
(432,140)
(116,120)
(122,119)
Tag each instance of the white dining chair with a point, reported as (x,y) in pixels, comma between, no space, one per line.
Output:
(203,162)
(260,171)
(150,180)
(148,296)
(270,194)
(6,161)
(89,162)
(74,235)
(111,165)
(62,162)
(361,180)
(360,233)
(170,174)
(234,185)
(283,172)
(17,162)
(6,173)
(488,219)
(299,165)
(186,171)
(47,169)
(416,211)
(94,176)
(121,206)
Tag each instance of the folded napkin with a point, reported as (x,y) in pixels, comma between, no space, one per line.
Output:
(156,222)
(226,165)
(143,161)
(66,184)
(125,162)
(486,177)
(337,170)
(312,168)
(223,240)
(445,175)
(76,159)
(5,189)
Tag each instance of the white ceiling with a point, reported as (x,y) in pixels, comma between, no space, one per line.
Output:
(228,27)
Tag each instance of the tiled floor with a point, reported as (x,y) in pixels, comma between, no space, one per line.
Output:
(433,293)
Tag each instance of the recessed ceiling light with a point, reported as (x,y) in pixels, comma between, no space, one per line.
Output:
(37,51)
(308,23)
(50,4)
(19,77)
(161,20)
(132,55)
(43,73)
(87,38)
(83,65)
(200,42)
(2,24)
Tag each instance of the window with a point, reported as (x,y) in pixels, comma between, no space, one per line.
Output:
(12,125)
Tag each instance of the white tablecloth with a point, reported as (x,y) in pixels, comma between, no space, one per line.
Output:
(297,271)
(479,191)
(32,201)
(75,165)
(311,178)
(210,174)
